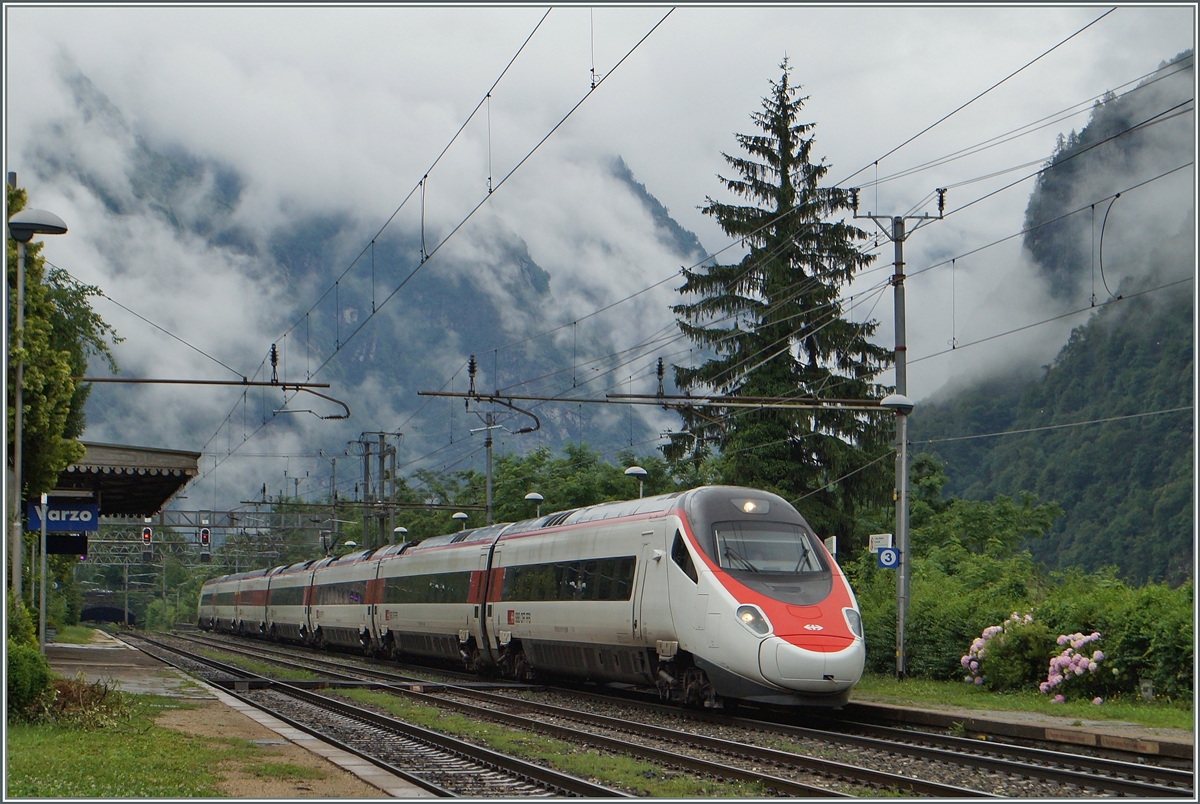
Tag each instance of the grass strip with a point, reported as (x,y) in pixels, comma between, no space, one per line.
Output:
(643,778)
(135,759)
(73,635)
(286,771)
(872,688)
(261,668)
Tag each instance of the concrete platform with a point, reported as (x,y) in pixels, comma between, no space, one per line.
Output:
(1111,734)
(109,660)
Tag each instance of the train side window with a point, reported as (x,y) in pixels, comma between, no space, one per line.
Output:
(681,556)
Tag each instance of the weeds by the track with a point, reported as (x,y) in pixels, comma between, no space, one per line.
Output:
(642,778)
(1159,713)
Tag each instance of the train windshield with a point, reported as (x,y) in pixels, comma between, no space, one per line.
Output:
(776,547)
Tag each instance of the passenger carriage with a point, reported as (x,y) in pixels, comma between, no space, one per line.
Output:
(287,602)
(250,602)
(429,595)
(339,611)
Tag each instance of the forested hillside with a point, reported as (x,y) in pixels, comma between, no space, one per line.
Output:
(1126,486)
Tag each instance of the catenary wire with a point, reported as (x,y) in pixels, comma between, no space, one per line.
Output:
(941,120)
(141,317)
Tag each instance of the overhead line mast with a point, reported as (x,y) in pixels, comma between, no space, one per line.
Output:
(902,405)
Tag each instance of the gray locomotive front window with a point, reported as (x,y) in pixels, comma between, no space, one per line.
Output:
(766,547)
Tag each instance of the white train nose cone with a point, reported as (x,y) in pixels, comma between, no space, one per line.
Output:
(797,668)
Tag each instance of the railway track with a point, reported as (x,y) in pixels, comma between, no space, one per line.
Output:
(983,768)
(434,762)
(1068,768)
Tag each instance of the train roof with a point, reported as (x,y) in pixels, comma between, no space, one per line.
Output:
(484,534)
(240,576)
(571,516)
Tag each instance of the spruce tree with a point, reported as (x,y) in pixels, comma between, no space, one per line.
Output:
(774,326)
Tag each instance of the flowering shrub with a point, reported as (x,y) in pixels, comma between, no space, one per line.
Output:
(1072,663)
(1009,655)
(972,662)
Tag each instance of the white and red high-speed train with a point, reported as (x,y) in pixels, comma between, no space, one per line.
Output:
(713,593)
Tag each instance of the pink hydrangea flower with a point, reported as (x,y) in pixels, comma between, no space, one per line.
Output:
(1057,699)
(1097,701)
(978,680)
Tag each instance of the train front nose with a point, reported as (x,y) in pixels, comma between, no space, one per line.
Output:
(822,664)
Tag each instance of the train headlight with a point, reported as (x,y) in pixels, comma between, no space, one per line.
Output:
(754,619)
(748,506)
(854,620)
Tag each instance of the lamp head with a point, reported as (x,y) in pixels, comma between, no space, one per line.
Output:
(897,403)
(28,222)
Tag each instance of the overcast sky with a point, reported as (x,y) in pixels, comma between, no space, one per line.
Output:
(341,110)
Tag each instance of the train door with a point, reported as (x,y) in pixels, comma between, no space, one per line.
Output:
(488,611)
(649,600)
(478,624)
(307,619)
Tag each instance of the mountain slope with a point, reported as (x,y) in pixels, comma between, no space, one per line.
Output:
(1126,486)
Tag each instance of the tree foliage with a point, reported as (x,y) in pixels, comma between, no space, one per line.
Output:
(576,478)
(61,333)
(971,569)
(773,324)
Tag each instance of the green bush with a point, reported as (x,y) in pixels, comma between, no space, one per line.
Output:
(28,677)
(21,628)
(1148,631)
(1018,657)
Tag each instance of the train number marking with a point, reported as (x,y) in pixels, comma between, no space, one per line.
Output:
(519,617)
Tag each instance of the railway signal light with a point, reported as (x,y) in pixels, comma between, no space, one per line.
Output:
(147,534)
(204,536)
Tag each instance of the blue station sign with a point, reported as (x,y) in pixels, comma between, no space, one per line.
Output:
(64,517)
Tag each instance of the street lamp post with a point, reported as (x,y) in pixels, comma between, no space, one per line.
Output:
(640,474)
(22,227)
(534,497)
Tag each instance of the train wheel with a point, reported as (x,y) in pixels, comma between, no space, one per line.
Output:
(471,659)
(698,691)
(523,670)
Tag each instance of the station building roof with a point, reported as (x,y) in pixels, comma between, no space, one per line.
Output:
(126,480)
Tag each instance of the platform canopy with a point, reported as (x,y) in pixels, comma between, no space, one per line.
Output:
(125,480)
